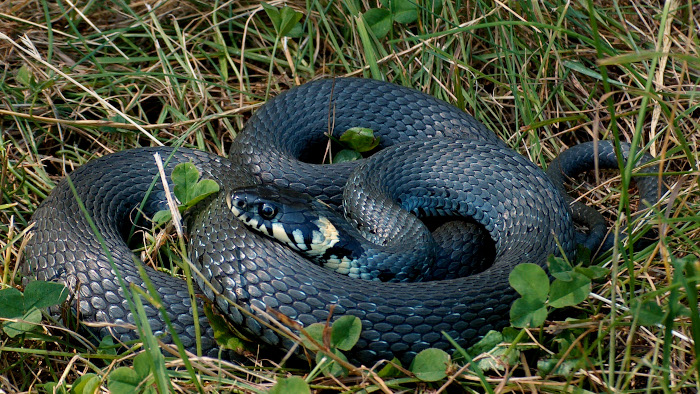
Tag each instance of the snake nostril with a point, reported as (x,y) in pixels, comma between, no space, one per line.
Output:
(239,202)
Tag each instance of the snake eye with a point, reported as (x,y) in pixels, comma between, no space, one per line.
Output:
(267,211)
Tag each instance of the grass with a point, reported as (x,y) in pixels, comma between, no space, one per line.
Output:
(82,79)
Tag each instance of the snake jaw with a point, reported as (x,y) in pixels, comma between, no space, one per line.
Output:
(297,224)
(266,210)
(324,237)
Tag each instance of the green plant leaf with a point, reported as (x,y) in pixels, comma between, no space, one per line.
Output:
(379,21)
(40,294)
(28,322)
(390,369)
(564,368)
(499,358)
(315,331)
(291,385)
(202,189)
(52,387)
(185,177)
(430,365)
(360,139)
(530,281)
(26,307)
(11,303)
(274,14)
(288,20)
(123,380)
(485,344)
(571,292)
(296,32)
(583,256)
(404,11)
(510,334)
(346,155)
(111,129)
(222,332)
(25,76)
(559,268)
(187,186)
(648,313)
(107,346)
(142,365)
(345,332)
(284,19)
(527,312)
(86,384)
(162,217)
(593,272)
(329,366)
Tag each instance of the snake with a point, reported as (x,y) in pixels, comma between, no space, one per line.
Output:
(313,241)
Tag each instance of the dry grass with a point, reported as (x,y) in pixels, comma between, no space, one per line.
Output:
(82,79)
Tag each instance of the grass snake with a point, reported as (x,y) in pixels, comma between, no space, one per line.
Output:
(434,157)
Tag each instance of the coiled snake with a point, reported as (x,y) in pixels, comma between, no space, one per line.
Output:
(450,162)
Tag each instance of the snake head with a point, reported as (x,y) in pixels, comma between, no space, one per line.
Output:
(292,218)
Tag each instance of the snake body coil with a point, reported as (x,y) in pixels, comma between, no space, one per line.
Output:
(453,161)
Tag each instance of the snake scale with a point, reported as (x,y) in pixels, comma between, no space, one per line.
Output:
(448,159)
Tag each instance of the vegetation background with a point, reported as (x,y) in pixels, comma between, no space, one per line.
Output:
(80,79)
